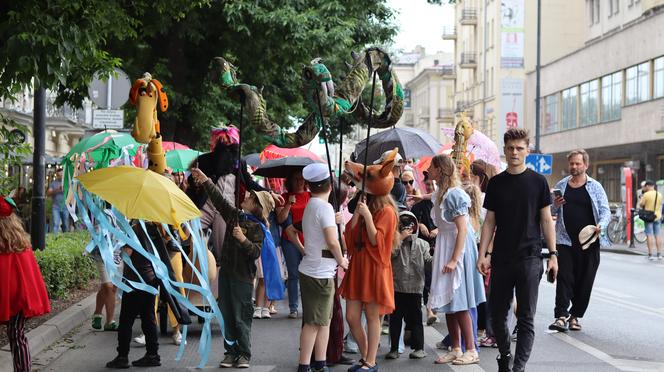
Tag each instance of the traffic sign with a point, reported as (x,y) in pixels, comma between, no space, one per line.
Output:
(110,92)
(542,164)
(108,119)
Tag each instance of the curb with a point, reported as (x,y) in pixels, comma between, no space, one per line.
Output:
(52,330)
(633,252)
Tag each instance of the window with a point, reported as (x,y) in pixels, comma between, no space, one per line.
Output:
(658,80)
(569,108)
(637,83)
(611,96)
(589,102)
(614,7)
(550,113)
(596,11)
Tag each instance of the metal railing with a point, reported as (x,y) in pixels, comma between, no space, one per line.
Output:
(468,58)
(447,70)
(24,105)
(469,16)
(449,32)
(445,112)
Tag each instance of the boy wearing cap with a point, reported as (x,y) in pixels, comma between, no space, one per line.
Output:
(317,269)
(408,271)
(583,203)
(237,265)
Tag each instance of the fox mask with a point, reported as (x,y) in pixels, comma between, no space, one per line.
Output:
(379,180)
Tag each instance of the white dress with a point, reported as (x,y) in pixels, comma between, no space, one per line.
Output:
(463,288)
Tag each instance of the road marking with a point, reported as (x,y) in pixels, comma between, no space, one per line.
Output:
(611,292)
(431,336)
(630,306)
(621,364)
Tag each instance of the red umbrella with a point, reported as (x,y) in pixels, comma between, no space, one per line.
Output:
(169,146)
(274,152)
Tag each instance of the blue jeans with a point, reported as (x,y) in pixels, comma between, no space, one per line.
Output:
(59,216)
(653,228)
(293,258)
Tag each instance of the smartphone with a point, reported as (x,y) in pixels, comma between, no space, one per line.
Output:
(550,277)
(557,193)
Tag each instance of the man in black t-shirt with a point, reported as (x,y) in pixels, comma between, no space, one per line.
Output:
(517,203)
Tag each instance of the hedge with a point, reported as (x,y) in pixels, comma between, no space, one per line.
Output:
(64,265)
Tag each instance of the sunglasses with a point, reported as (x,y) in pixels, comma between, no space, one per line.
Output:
(408,182)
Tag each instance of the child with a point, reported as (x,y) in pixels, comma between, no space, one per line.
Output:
(317,268)
(237,265)
(408,270)
(22,290)
(456,287)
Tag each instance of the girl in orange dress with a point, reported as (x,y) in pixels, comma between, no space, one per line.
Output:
(368,283)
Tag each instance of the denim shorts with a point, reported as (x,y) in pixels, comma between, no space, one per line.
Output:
(653,228)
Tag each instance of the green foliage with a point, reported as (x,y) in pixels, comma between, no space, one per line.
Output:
(12,152)
(63,264)
(61,43)
(268,41)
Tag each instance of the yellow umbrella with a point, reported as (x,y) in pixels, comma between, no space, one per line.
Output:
(141,194)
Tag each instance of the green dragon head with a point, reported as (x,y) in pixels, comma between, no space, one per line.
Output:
(224,71)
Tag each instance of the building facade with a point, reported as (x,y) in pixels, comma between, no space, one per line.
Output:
(607,96)
(495,45)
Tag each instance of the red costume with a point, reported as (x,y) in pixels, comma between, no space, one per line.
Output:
(22,288)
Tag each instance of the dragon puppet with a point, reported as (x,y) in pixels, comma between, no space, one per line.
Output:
(462,132)
(146,94)
(318,88)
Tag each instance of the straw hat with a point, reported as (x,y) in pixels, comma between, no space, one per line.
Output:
(588,236)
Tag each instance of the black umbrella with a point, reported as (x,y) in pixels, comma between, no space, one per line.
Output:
(252,160)
(282,167)
(412,143)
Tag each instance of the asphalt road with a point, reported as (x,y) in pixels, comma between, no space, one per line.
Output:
(623,331)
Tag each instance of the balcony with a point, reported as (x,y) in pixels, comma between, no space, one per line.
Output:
(409,119)
(445,113)
(469,16)
(449,33)
(468,60)
(462,106)
(448,72)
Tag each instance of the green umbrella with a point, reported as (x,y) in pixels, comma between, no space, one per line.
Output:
(179,160)
(100,148)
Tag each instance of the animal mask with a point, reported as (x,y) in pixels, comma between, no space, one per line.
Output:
(379,180)
(145,94)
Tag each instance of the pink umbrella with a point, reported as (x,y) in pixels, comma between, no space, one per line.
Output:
(481,146)
(170,146)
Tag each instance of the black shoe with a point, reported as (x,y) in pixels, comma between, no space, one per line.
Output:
(504,363)
(147,361)
(344,360)
(118,363)
(324,369)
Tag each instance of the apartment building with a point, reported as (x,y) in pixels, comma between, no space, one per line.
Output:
(495,45)
(608,95)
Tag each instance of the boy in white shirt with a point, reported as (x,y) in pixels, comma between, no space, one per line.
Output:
(317,269)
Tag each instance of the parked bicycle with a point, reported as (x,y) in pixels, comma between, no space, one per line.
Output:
(617,229)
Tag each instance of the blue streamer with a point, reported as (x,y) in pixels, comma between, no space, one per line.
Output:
(274,285)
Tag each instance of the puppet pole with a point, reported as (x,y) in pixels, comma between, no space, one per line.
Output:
(238,175)
(366,145)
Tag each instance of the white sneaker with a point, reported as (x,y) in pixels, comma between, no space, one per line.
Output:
(258,313)
(651,258)
(265,313)
(140,340)
(177,338)
(659,257)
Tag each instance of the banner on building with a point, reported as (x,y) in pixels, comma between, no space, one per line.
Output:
(512,34)
(511,104)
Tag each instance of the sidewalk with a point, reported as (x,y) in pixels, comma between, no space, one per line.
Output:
(639,249)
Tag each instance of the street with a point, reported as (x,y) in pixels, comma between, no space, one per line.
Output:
(622,331)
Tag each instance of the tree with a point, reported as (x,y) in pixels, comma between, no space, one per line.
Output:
(268,41)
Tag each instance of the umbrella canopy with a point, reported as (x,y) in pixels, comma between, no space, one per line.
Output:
(480,146)
(412,143)
(141,194)
(179,160)
(170,146)
(274,152)
(281,168)
(424,162)
(252,160)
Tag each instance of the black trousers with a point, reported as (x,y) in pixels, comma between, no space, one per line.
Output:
(407,306)
(576,274)
(427,281)
(522,275)
(137,303)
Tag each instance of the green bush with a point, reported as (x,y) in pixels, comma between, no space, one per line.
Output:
(63,264)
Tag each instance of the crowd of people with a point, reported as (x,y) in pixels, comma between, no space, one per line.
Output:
(466,248)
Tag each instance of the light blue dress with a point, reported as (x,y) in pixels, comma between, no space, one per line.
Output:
(462,289)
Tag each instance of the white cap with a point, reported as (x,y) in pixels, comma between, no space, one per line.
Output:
(398,159)
(316,172)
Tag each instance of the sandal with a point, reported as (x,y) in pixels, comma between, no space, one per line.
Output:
(112,326)
(449,357)
(469,357)
(574,324)
(560,324)
(96,321)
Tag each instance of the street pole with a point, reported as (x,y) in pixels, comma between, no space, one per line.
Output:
(38,221)
(537,88)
